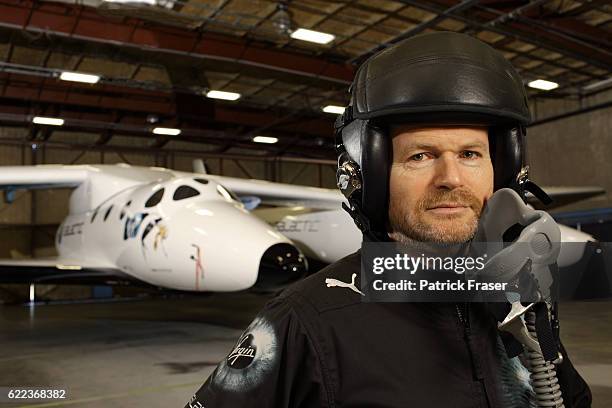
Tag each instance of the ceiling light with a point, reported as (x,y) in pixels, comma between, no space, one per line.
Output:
(69,267)
(228,96)
(312,36)
(543,84)
(265,139)
(41,120)
(149,2)
(78,77)
(166,131)
(169,4)
(338,110)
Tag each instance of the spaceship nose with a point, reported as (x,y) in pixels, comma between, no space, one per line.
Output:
(280,265)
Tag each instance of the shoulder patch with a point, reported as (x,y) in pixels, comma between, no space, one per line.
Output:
(252,358)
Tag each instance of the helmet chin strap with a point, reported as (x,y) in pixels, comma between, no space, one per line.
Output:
(522,184)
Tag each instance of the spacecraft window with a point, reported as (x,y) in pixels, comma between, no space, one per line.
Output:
(93,216)
(183,192)
(108,212)
(201,180)
(155,198)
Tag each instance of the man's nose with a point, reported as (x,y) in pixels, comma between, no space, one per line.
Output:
(448,174)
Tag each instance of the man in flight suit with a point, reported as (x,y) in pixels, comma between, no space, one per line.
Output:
(434,127)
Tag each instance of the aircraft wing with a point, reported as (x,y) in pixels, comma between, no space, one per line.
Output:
(41,176)
(565,195)
(54,271)
(282,194)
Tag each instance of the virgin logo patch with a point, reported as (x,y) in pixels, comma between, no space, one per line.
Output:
(254,356)
(243,354)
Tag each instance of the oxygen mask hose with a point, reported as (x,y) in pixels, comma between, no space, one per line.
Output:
(543,373)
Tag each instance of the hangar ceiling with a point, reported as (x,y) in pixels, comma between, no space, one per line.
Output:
(157,59)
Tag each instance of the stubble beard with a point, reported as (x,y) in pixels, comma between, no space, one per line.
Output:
(418,225)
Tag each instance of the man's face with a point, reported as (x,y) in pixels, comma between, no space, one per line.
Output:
(440,179)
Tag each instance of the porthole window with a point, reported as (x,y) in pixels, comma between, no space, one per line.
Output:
(93,216)
(108,212)
(184,192)
(155,198)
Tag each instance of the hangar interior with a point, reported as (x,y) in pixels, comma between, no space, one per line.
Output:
(157,65)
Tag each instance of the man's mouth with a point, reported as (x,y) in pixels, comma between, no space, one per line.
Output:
(448,208)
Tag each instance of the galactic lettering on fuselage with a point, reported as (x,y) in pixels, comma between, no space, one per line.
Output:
(72,229)
(297,226)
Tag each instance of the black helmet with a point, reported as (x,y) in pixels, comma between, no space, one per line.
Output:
(443,77)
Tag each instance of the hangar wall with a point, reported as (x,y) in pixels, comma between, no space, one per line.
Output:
(573,151)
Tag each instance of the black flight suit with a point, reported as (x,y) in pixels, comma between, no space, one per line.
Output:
(320,346)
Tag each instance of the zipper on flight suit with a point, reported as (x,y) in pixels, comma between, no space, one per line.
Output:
(464,317)
(463,313)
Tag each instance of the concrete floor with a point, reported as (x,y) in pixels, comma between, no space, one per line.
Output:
(156,353)
(586,331)
(152,353)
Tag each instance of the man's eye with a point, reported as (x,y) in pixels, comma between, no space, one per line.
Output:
(469,154)
(417,157)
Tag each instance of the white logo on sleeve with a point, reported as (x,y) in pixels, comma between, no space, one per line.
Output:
(335,282)
(243,354)
(254,356)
